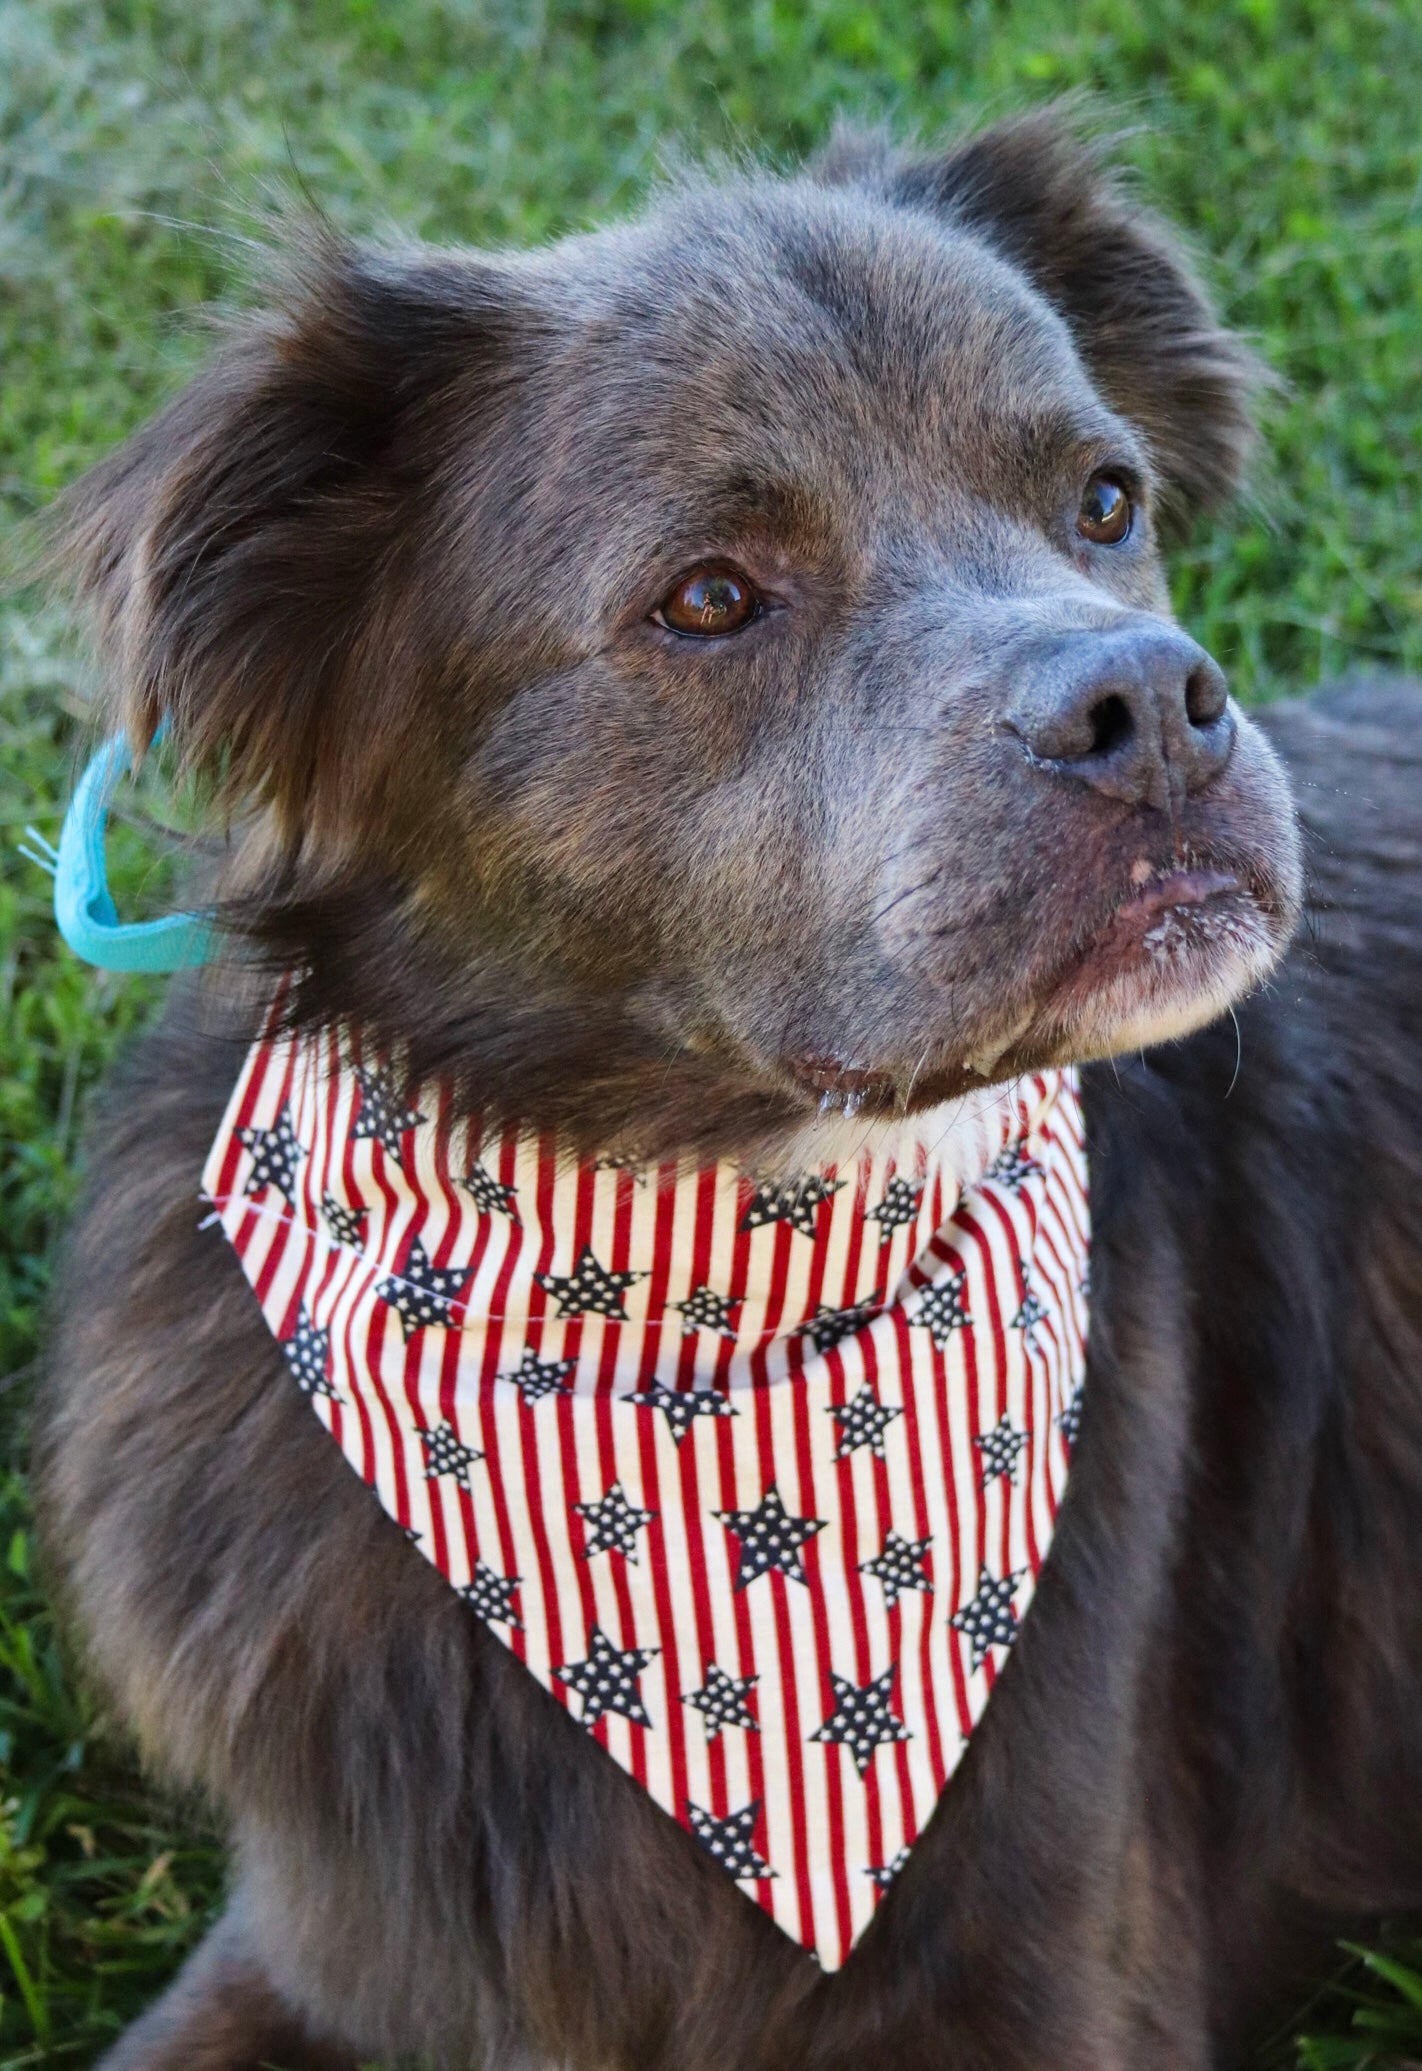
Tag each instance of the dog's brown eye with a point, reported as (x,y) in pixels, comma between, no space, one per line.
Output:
(709,601)
(1105,514)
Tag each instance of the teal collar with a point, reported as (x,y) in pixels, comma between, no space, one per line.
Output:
(83,904)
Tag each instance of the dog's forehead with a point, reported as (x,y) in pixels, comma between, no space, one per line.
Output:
(786,324)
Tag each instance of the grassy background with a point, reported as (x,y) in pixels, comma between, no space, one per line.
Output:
(134,139)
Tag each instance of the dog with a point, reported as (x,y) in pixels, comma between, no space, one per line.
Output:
(706,691)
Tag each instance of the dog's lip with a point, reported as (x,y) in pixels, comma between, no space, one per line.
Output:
(1189,894)
(1163,891)
(832,1078)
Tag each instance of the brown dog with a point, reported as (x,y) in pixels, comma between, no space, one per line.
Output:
(659,682)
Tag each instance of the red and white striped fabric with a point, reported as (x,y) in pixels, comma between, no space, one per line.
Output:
(756,1480)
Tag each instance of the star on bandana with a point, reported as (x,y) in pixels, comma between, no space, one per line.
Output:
(884,1873)
(347,1225)
(613,1524)
(943,1308)
(705,1310)
(682,1406)
(539,1377)
(276,1153)
(1069,1422)
(829,1327)
(722,1701)
(446,1453)
(490,1596)
(899,1205)
(861,1719)
(795,1202)
(1031,1312)
(988,1618)
(1013,1167)
(770,1538)
(863,1422)
(899,1566)
(491,1196)
(424,1295)
(382,1113)
(731,1840)
(612,1162)
(589,1288)
(607,1679)
(308,1354)
(1001,1447)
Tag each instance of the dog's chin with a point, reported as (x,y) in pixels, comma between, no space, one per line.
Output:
(1171,957)
(1170,960)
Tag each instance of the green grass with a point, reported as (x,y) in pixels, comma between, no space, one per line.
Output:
(136,139)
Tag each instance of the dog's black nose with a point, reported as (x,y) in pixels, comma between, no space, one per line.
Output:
(1136,710)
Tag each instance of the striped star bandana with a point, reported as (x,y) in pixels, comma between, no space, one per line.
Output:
(755,1478)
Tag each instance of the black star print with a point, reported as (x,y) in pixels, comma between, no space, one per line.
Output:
(829,1327)
(446,1453)
(382,1113)
(705,1310)
(607,1680)
(682,1406)
(863,1422)
(899,1566)
(731,1840)
(1001,1448)
(795,1202)
(613,1524)
(276,1153)
(1013,1167)
(942,1309)
(989,1619)
(1069,1422)
(614,1163)
(884,1873)
(589,1287)
(308,1354)
(424,1295)
(899,1205)
(490,1195)
(1031,1312)
(861,1718)
(770,1538)
(539,1377)
(490,1596)
(722,1701)
(347,1225)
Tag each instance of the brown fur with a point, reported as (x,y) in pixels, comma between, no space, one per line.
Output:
(386,570)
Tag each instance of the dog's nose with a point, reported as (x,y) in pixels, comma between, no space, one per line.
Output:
(1136,710)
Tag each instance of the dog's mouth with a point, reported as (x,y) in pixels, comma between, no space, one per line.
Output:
(1179,943)
(841,1088)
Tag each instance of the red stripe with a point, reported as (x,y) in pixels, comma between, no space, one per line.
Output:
(559,1648)
(778,1584)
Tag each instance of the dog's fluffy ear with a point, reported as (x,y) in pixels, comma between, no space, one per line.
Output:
(1043,194)
(241,548)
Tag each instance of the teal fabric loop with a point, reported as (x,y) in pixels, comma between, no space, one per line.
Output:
(83,904)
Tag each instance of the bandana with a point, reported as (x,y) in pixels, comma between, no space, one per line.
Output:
(756,1479)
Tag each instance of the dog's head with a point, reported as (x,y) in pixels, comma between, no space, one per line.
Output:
(724,660)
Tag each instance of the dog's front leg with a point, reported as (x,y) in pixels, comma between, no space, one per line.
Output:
(222,2013)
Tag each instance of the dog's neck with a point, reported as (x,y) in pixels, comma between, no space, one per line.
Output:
(960,1138)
